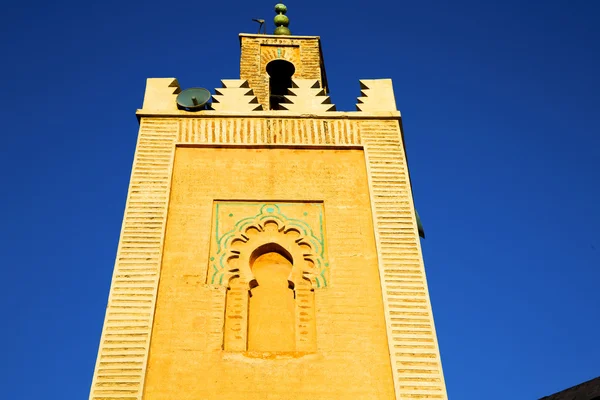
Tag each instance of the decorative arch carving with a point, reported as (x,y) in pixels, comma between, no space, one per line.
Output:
(280,52)
(231,265)
(270,227)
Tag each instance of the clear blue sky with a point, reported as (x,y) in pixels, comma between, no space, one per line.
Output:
(501,114)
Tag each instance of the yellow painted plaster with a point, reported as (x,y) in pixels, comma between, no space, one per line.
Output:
(186,357)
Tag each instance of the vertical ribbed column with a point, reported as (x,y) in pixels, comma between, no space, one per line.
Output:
(125,340)
(236,316)
(306,330)
(216,322)
(414,353)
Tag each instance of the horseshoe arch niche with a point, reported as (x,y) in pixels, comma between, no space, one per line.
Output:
(297,238)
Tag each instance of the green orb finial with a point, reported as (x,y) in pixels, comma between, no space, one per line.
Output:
(281,21)
(280,8)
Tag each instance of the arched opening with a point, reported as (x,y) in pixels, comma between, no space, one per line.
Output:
(270,248)
(272,308)
(280,80)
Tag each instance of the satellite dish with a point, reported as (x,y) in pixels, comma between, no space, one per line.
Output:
(193,99)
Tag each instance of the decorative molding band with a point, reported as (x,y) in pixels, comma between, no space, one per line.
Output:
(416,364)
(125,341)
(268,131)
(270,114)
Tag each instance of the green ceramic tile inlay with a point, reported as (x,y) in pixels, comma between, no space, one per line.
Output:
(270,210)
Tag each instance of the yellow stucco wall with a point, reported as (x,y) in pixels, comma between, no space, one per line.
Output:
(186,358)
(121,366)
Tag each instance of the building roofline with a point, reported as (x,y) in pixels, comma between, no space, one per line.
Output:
(278,36)
(592,386)
(279,114)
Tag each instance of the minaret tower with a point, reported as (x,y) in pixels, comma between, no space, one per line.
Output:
(270,248)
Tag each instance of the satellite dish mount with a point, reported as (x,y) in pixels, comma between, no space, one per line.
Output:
(193,99)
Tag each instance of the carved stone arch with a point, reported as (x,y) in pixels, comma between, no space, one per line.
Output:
(271,247)
(269,231)
(287,242)
(287,53)
(235,248)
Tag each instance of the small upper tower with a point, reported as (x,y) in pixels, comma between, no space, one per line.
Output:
(278,72)
(272,64)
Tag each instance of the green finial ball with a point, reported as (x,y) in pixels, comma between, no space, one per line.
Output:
(282,30)
(280,8)
(281,20)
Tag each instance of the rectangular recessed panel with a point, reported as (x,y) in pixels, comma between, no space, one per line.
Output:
(324,195)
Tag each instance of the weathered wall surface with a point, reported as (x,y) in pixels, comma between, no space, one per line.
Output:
(186,356)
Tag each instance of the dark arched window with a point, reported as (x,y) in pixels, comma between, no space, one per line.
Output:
(280,80)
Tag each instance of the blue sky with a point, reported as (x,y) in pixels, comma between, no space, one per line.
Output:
(500,109)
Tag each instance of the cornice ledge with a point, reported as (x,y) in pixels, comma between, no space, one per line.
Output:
(260,35)
(269,114)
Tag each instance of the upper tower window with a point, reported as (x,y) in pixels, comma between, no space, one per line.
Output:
(280,80)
